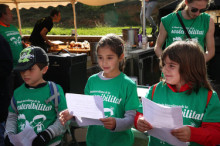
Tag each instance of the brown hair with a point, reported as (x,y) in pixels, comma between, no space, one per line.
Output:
(182,4)
(42,65)
(192,63)
(54,12)
(115,43)
(3,8)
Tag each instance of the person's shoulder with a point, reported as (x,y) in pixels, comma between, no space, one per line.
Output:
(127,79)
(12,26)
(167,19)
(169,15)
(160,84)
(205,16)
(48,19)
(214,98)
(94,76)
(20,89)
(57,85)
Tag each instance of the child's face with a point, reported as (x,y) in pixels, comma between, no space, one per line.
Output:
(171,73)
(109,62)
(33,76)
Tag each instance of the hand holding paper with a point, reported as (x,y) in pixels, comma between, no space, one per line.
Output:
(183,134)
(163,119)
(23,138)
(65,116)
(87,109)
(143,125)
(109,123)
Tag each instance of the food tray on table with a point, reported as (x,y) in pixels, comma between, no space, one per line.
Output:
(73,47)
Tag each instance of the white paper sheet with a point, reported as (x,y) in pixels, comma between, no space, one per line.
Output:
(23,138)
(163,119)
(57,42)
(87,121)
(87,109)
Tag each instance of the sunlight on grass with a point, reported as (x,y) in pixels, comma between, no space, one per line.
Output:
(84,31)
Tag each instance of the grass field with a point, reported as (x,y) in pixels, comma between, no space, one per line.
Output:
(84,31)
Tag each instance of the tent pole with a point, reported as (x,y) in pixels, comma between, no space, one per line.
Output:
(74,15)
(19,18)
(143,18)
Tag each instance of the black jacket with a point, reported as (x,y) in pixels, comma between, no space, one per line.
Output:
(6,66)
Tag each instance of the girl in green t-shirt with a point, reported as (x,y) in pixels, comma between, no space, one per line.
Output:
(119,94)
(186,85)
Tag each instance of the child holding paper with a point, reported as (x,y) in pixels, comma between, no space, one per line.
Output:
(119,95)
(186,85)
(33,101)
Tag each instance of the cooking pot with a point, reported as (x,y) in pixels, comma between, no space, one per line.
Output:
(130,36)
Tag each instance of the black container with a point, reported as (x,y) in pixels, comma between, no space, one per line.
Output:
(68,70)
(144,65)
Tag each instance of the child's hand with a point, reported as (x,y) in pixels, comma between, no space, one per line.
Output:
(143,125)
(183,134)
(109,123)
(65,116)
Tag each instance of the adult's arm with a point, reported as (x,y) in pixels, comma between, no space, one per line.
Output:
(210,42)
(160,40)
(43,33)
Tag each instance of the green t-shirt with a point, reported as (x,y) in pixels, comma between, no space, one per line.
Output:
(13,37)
(197,28)
(119,95)
(194,109)
(32,108)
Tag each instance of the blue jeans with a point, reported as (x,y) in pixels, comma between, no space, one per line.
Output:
(2,130)
(149,7)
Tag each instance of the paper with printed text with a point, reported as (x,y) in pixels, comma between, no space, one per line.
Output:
(163,119)
(23,138)
(86,108)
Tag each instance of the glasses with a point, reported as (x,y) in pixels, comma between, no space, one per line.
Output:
(194,10)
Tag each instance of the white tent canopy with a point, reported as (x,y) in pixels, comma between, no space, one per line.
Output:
(54,3)
(19,4)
